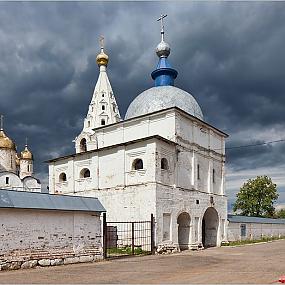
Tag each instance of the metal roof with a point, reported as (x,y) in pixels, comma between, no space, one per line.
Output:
(247,219)
(42,201)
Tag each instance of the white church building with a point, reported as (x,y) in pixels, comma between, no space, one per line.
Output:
(162,159)
(16,170)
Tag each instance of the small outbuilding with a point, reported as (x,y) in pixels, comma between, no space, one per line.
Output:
(44,229)
(252,228)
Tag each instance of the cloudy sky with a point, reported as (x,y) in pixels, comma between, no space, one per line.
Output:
(229,55)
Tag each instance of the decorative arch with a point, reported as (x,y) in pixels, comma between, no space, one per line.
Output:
(83,145)
(183,221)
(210,226)
(85,173)
(62,177)
(137,164)
(164,164)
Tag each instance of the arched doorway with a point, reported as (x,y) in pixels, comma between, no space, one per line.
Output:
(210,225)
(183,222)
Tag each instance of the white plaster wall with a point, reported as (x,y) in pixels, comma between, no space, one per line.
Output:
(15,183)
(31,184)
(31,229)
(24,164)
(7,160)
(255,230)
(174,201)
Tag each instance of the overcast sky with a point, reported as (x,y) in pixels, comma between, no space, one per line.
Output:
(229,56)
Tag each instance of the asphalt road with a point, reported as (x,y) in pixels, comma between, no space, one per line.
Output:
(251,264)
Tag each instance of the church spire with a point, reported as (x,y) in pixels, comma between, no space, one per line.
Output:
(163,74)
(103,108)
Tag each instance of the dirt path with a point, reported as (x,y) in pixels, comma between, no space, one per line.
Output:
(259,263)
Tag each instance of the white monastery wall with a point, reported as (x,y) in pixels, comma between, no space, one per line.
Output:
(254,230)
(31,229)
(14,181)
(32,237)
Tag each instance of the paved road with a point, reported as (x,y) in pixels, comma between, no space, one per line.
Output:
(259,263)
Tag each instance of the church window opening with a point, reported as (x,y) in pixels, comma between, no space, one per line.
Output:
(198,171)
(85,173)
(214,174)
(103,122)
(103,94)
(7,180)
(88,124)
(28,168)
(62,177)
(137,164)
(83,145)
(103,107)
(164,163)
(197,202)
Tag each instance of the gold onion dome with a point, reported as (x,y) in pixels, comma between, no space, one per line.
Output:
(26,154)
(6,142)
(102,58)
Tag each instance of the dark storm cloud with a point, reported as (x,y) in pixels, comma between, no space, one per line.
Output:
(230,56)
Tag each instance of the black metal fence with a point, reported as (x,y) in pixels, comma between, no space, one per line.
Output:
(128,238)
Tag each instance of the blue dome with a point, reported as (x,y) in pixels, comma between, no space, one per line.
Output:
(163,97)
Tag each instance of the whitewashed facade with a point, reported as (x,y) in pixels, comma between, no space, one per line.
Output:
(187,144)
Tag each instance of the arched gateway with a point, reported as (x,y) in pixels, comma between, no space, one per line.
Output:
(183,222)
(210,225)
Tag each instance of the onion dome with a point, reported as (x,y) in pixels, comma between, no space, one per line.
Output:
(5,142)
(26,154)
(164,95)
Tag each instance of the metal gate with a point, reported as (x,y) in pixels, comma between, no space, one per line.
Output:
(128,238)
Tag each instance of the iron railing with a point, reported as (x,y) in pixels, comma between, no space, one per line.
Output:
(128,238)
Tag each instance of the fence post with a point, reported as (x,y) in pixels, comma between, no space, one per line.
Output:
(104,236)
(152,244)
(133,238)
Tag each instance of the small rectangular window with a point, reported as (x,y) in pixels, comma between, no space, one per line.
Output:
(7,180)
(214,173)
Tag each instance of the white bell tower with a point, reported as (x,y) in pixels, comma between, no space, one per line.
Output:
(103,109)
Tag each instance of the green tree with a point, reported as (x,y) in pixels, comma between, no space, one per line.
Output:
(280,214)
(256,197)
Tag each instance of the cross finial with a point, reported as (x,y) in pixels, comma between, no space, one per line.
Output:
(161,25)
(1,122)
(101,41)
(26,141)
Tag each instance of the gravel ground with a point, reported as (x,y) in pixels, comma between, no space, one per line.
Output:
(250,264)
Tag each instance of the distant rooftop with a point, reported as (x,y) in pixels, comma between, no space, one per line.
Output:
(247,219)
(42,201)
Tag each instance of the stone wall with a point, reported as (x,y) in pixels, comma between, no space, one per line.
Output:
(42,237)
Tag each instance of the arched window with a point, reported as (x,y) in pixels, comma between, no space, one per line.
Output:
(214,174)
(103,107)
(84,173)
(198,171)
(164,163)
(83,145)
(103,122)
(137,164)
(62,177)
